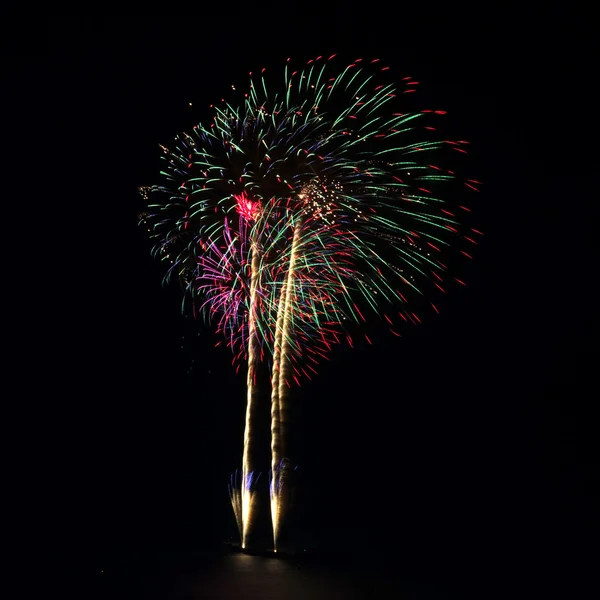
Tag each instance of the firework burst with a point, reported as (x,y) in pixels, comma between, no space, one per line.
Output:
(315,198)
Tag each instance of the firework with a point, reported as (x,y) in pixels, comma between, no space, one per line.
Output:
(296,211)
(248,210)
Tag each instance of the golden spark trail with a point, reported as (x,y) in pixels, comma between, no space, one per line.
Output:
(248,472)
(285,361)
(275,437)
(235,495)
(281,371)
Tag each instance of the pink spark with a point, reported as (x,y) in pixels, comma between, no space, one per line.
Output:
(247,208)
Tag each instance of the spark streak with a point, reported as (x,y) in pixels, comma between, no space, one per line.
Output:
(281,372)
(248,470)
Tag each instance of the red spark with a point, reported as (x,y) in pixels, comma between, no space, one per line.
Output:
(246,207)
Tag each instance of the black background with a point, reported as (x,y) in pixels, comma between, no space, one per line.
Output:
(472,437)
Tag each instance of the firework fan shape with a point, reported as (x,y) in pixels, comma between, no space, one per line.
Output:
(308,202)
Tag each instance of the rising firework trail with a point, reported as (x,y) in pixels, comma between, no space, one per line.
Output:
(281,372)
(248,468)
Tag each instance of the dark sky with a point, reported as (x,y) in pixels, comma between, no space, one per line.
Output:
(474,432)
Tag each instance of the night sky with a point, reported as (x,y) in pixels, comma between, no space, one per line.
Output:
(474,434)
